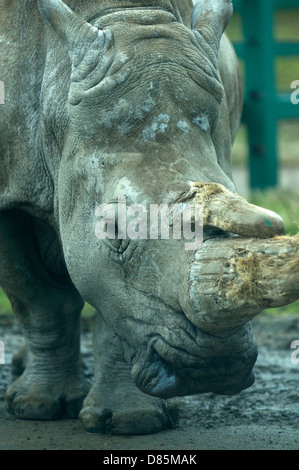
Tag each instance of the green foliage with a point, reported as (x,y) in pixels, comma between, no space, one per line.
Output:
(288,141)
(286,29)
(286,24)
(88,310)
(5,306)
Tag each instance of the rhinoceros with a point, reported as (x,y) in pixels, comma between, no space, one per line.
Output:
(120,103)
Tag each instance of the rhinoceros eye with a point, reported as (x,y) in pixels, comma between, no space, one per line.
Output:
(115,244)
(118,244)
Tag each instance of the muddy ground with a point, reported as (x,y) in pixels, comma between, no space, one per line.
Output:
(264,417)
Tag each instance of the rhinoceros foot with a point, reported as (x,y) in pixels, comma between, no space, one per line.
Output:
(30,397)
(120,408)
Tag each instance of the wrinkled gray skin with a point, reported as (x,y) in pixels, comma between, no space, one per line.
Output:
(138,110)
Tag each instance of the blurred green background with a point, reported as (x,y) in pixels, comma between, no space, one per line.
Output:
(286,28)
(285,199)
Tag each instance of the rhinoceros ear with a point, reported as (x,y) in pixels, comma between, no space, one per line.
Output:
(210,18)
(75,32)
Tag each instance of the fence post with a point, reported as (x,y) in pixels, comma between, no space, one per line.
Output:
(260,92)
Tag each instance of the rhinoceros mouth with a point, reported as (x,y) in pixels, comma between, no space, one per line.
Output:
(155,376)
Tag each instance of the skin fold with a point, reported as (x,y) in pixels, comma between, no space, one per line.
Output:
(138,100)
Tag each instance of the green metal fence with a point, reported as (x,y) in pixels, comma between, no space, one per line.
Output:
(263,106)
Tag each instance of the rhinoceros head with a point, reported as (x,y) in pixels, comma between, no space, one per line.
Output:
(147,117)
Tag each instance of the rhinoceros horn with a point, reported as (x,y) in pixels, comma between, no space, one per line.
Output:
(76,33)
(229,212)
(233,279)
(210,18)
(248,267)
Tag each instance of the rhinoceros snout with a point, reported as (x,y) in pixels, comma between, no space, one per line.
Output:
(222,366)
(246,268)
(161,380)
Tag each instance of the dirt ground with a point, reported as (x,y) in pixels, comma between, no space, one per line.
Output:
(264,417)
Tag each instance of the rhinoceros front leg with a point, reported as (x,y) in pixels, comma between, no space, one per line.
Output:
(114,404)
(51,385)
